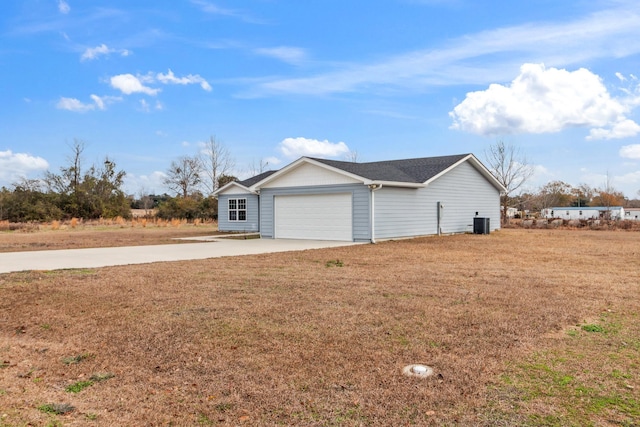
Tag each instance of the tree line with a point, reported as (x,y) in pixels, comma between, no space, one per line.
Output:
(95,191)
(92,192)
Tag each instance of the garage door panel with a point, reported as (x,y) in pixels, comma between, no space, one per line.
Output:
(318,216)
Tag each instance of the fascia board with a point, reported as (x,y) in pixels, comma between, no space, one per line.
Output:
(232,184)
(400,184)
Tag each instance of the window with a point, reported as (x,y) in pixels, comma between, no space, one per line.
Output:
(237,209)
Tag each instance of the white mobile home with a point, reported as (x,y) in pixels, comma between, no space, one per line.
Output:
(632,214)
(584,212)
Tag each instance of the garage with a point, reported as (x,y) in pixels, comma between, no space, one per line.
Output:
(314,216)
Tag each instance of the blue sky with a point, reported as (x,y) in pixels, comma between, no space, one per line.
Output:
(146,82)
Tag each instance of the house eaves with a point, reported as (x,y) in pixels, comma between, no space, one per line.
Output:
(232,184)
(302,160)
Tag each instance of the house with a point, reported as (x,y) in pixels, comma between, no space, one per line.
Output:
(584,212)
(323,199)
(632,214)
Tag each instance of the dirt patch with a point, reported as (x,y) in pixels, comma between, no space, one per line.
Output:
(287,339)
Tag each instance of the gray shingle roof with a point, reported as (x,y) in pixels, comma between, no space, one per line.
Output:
(409,170)
(250,181)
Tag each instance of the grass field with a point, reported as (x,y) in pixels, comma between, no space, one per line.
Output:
(99,234)
(521,327)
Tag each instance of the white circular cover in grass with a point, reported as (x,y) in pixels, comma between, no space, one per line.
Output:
(420,371)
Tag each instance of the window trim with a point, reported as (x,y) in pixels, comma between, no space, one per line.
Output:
(237,210)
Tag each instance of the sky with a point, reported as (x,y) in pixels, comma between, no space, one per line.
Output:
(147,82)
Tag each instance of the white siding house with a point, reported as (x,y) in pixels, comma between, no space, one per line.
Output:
(585,212)
(332,200)
(632,214)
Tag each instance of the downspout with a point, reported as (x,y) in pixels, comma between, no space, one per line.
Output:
(373,188)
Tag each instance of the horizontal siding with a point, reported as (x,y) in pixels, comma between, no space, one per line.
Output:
(307,175)
(253,213)
(360,194)
(462,191)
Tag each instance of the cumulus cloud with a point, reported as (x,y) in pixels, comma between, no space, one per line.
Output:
(630,151)
(296,147)
(102,50)
(545,100)
(170,78)
(291,55)
(63,7)
(14,166)
(128,84)
(624,128)
(73,104)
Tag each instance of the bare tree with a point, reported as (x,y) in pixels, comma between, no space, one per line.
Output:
(258,168)
(145,200)
(70,178)
(184,175)
(216,161)
(510,168)
(352,156)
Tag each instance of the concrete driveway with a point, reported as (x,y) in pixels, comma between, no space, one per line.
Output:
(103,257)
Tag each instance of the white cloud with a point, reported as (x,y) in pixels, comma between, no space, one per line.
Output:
(152,183)
(296,147)
(63,7)
(17,165)
(630,179)
(624,128)
(128,84)
(144,106)
(94,52)
(482,57)
(630,151)
(170,78)
(212,9)
(291,55)
(544,100)
(73,104)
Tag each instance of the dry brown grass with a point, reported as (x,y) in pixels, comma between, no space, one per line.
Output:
(106,233)
(297,339)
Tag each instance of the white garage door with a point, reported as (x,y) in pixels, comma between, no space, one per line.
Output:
(317,217)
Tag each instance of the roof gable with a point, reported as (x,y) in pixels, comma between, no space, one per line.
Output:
(310,174)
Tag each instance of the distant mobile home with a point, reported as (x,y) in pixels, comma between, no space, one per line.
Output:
(585,212)
(632,214)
